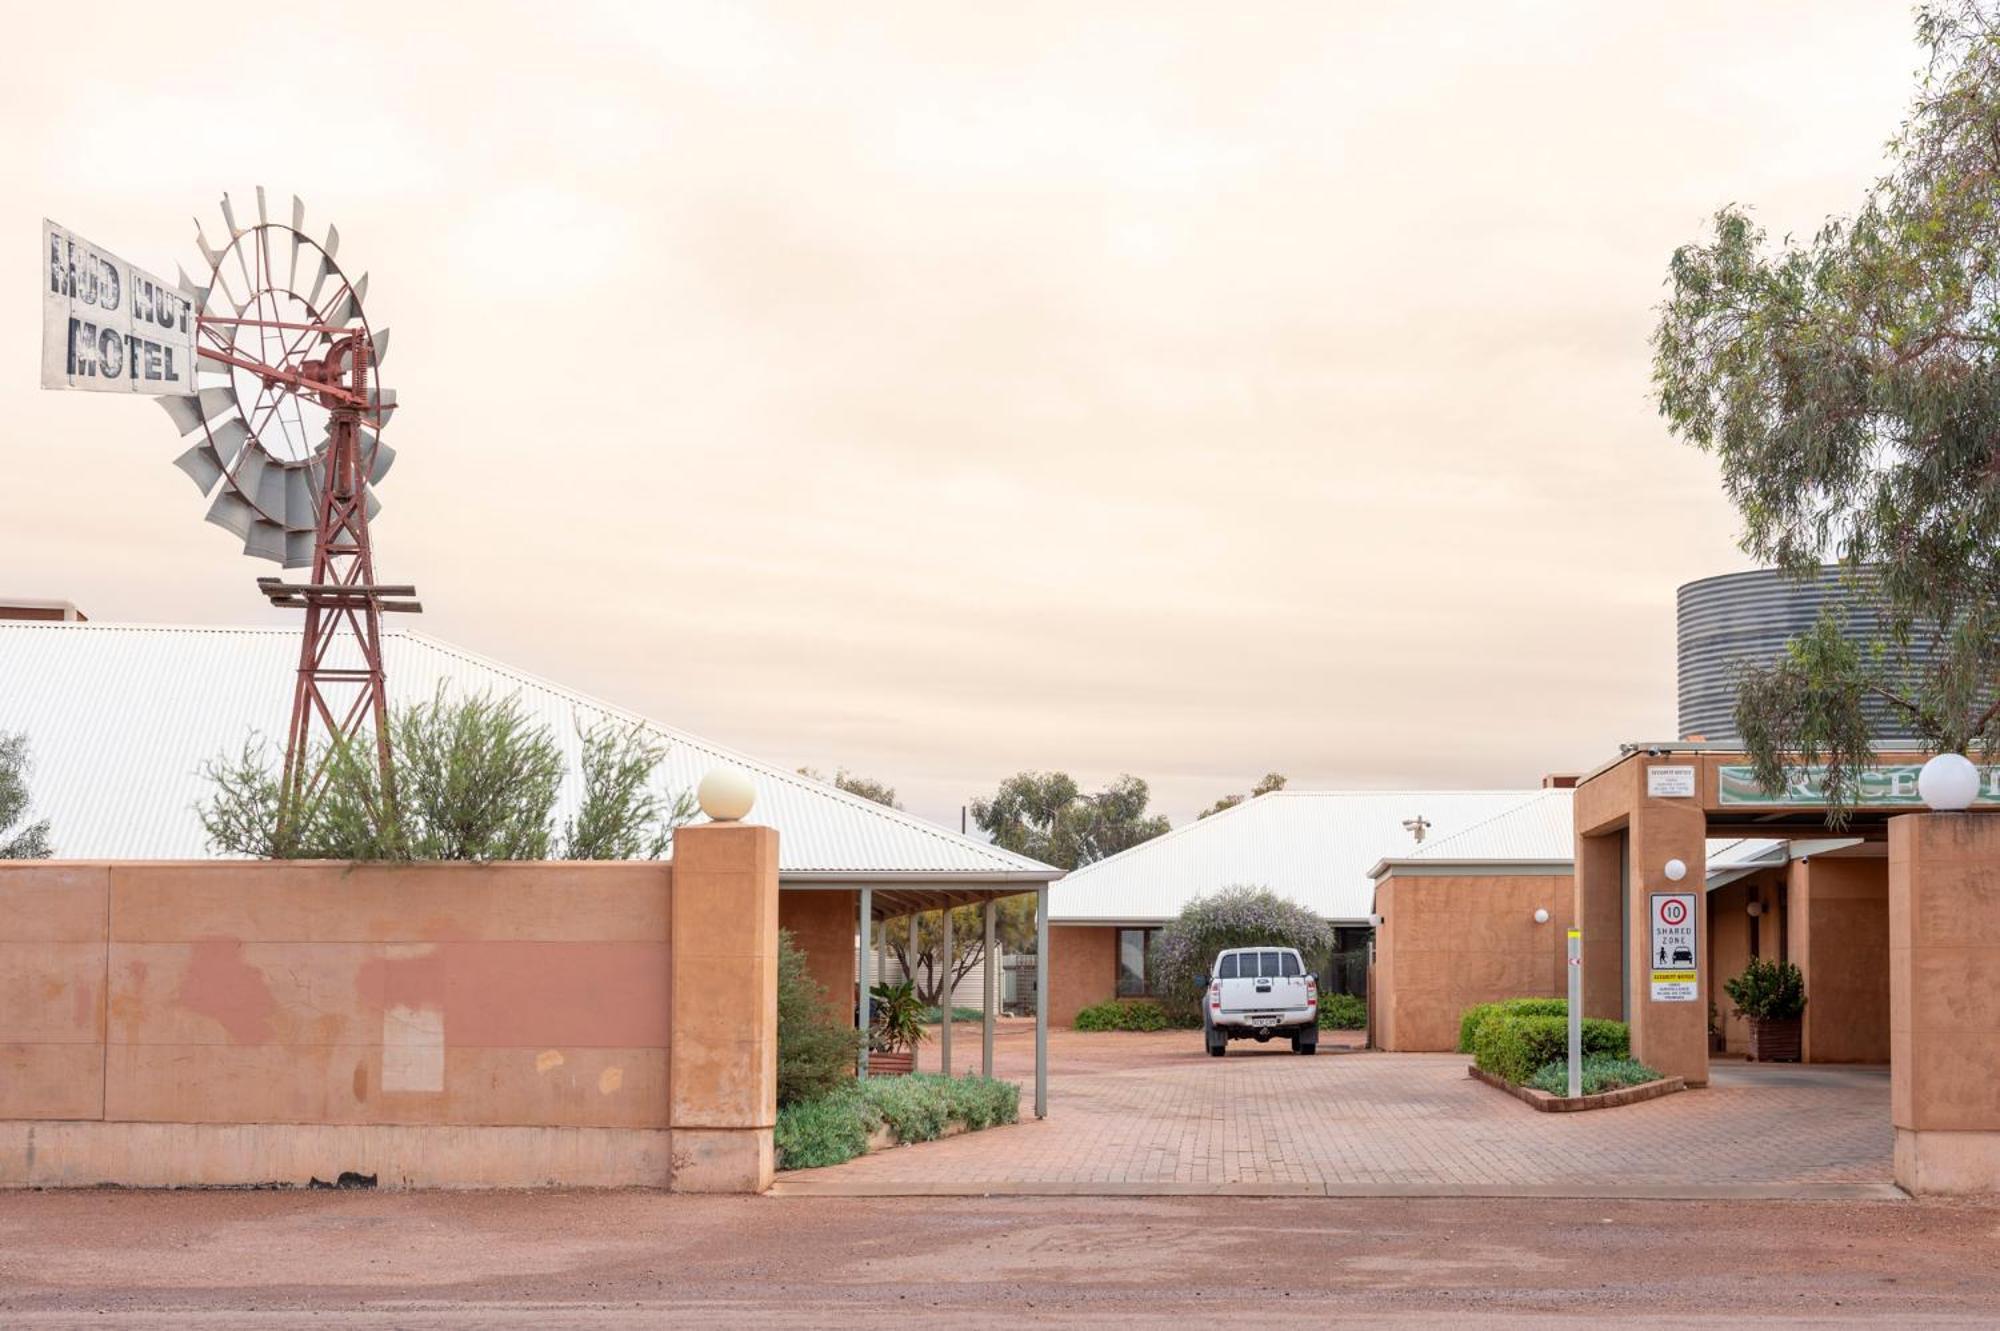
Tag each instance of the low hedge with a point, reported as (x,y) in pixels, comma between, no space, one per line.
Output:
(1468,1021)
(1342,1012)
(1515,1048)
(958,1014)
(835,1127)
(1130,1014)
(1601,1072)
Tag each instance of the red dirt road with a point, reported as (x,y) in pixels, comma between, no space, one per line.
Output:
(645,1259)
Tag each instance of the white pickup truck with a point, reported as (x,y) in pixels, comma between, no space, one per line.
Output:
(1258,992)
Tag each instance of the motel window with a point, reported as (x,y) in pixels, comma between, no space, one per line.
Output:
(1135,979)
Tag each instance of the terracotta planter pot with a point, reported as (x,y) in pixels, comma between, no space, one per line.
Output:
(898,1064)
(1775,1041)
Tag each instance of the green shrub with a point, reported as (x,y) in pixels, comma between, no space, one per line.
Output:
(1234,917)
(1601,1072)
(836,1126)
(1125,1014)
(815,1052)
(930,1015)
(1468,1022)
(824,1131)
(1768,990)
(1514,1048)
(1342,1012)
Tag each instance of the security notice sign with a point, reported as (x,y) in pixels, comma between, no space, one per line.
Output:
(108,326)
(1673,948)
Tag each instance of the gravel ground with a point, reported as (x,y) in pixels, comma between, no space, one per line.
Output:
(615,1259)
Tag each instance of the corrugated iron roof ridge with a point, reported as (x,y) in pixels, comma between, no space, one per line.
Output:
(1003,857)
(999,858)
(1463,834)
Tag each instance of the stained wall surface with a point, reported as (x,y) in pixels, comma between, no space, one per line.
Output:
(1448,942)
(824,925)
(429,1003)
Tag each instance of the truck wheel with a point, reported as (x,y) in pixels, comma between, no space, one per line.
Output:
(1217,1048)
(1306,1043)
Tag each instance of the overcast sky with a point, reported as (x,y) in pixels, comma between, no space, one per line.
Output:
(941,390)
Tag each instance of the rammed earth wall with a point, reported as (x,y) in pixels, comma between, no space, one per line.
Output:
(168,1024)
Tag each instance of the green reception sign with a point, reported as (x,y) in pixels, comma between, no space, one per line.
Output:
(1893,786)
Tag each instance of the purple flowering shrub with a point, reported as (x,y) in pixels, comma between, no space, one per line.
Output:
(1232,917)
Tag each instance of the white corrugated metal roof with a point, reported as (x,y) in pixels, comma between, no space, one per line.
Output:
(120,719)
(1541,827)
(1312,847)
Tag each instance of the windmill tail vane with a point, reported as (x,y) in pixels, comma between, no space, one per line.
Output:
(269,366)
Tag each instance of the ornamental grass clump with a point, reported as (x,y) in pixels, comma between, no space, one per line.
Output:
(1233,917)
(1601,1073)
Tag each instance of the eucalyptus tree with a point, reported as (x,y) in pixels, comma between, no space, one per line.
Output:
(1849,385)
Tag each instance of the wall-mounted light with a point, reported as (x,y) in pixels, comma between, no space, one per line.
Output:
(1676,870)
(1541,915)
(1755,908)
(1375,921)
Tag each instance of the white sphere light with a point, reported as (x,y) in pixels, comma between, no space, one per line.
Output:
(1541,915)
(1948,783)
(1676,870)
(726,794)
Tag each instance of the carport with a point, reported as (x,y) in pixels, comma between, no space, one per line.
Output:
(847,921)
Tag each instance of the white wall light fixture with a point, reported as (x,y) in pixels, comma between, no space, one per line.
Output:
(1676,870)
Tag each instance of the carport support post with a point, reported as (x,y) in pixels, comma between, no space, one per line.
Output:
(946,996)
(862,1018)
(910,976)
(1042,1001)
(988,992)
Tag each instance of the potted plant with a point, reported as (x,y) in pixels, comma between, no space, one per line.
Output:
(1716,1041)
(1771,996)
(895,1029)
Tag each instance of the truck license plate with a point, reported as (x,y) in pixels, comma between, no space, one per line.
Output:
(1263,1021)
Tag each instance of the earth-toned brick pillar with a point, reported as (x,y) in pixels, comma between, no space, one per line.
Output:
(1944,1000)
(723,1050)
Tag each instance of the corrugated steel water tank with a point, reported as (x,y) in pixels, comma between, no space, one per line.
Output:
(1746,619)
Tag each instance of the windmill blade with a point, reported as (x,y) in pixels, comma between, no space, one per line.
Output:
(197,294)
(263,218)
(301,514)
(373,505)
(228,439)
(265,541)
(332,240)
(349,303)
(232,512)
(319,283)
(298,235)
(213,256)
(298,549)
(380,460)
(190,410)
(247,477)
(201,465)
(270,493)
(380,342)
(381,406)
(242,264)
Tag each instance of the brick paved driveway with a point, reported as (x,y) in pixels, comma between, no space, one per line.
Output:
(1132,1113)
